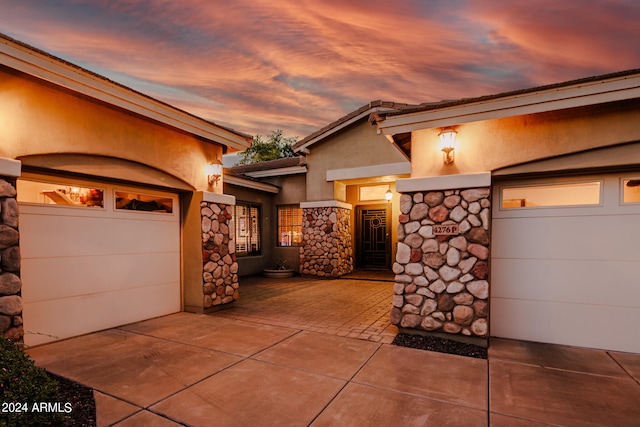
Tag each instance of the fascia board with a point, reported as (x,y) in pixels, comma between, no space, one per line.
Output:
(560,98)
(64,75)
(246,183)
(277,172)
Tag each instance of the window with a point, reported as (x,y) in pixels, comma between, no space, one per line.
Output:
(48,193)
(574,194)
(373,192)
(247,221)
(143,202)
(631,190)
(289,226)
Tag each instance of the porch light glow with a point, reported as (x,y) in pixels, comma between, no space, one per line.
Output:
(214,172)
(448,145)
(388,195)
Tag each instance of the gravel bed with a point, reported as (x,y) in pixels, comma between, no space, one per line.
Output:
(441,345)
(81,399)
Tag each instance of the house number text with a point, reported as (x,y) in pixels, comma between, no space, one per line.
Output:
(446,229)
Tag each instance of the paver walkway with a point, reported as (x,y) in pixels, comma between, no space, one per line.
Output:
(267,363)
(349,307)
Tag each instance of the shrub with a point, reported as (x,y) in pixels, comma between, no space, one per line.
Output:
(23,384)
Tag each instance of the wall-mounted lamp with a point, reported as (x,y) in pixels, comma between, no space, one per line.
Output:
(388,195)
(214,172)
(448,145)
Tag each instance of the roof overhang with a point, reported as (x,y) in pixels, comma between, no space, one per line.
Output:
(36,63)
(249,183)
(291,170)
(556,97)
(341,124)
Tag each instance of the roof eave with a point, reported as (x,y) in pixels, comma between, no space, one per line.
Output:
(364,113)
(31,61)
(556,98)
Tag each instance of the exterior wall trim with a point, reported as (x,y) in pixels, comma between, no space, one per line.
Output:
(369,171)
(10,167)
(445,182)
(226,199)
(326,204)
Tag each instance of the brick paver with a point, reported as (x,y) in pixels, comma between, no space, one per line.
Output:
(348,307)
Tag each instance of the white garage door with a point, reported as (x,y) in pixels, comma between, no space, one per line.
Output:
(566,261)
(95,256)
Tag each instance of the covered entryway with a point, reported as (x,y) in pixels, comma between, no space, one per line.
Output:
(565,261)
(372,237)
(95,255)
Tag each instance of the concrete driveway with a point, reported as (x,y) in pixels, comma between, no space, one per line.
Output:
(276,365)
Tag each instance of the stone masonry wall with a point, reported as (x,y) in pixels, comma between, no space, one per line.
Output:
(10,283)
(442,280)
(326,249)
(220,269)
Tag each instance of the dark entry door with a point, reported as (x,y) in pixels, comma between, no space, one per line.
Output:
(373,237)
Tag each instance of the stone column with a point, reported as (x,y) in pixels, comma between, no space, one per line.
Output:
(442,262)
(326,249)
(220,268)
(10,283)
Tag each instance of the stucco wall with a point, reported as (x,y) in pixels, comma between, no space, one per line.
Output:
(493,144)
(356,146)
(39,118)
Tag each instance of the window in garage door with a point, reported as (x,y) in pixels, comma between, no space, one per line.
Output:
(90,268)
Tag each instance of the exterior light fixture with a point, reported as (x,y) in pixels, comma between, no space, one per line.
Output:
(214,172)
(448,145)
(388,195)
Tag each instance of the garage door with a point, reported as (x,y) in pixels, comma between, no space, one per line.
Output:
(566,261)
(95,256)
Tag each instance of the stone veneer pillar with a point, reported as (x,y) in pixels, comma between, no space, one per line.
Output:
(10,283)
(326,249)
(219,265)
(442,280)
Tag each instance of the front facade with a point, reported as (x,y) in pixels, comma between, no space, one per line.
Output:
(108,215)
(526,230)
(528,233)
(531,232)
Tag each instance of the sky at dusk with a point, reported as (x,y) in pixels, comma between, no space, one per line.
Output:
(258,65)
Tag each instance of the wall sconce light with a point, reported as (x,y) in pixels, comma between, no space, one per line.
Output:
(448,145)
(388,195)
(214,172)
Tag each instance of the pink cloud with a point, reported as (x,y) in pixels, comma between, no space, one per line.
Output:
(258,65)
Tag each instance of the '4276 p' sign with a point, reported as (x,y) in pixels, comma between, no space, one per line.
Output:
(446,229)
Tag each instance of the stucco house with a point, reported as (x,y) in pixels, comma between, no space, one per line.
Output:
(513,215)
(115,190)
(525,227)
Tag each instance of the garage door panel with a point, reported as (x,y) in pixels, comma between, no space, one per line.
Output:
(96,312)
(86,269)
(585,237)
(63,277)
(588,282)
(579,325)
(86,236)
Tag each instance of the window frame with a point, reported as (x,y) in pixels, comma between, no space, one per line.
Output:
(600,203)
(245,248)
(291,208)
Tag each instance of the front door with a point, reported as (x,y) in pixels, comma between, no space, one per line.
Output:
(372,239)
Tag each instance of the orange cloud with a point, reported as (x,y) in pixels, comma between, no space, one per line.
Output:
(258,65)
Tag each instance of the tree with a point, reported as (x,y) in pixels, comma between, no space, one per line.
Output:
(276,146)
